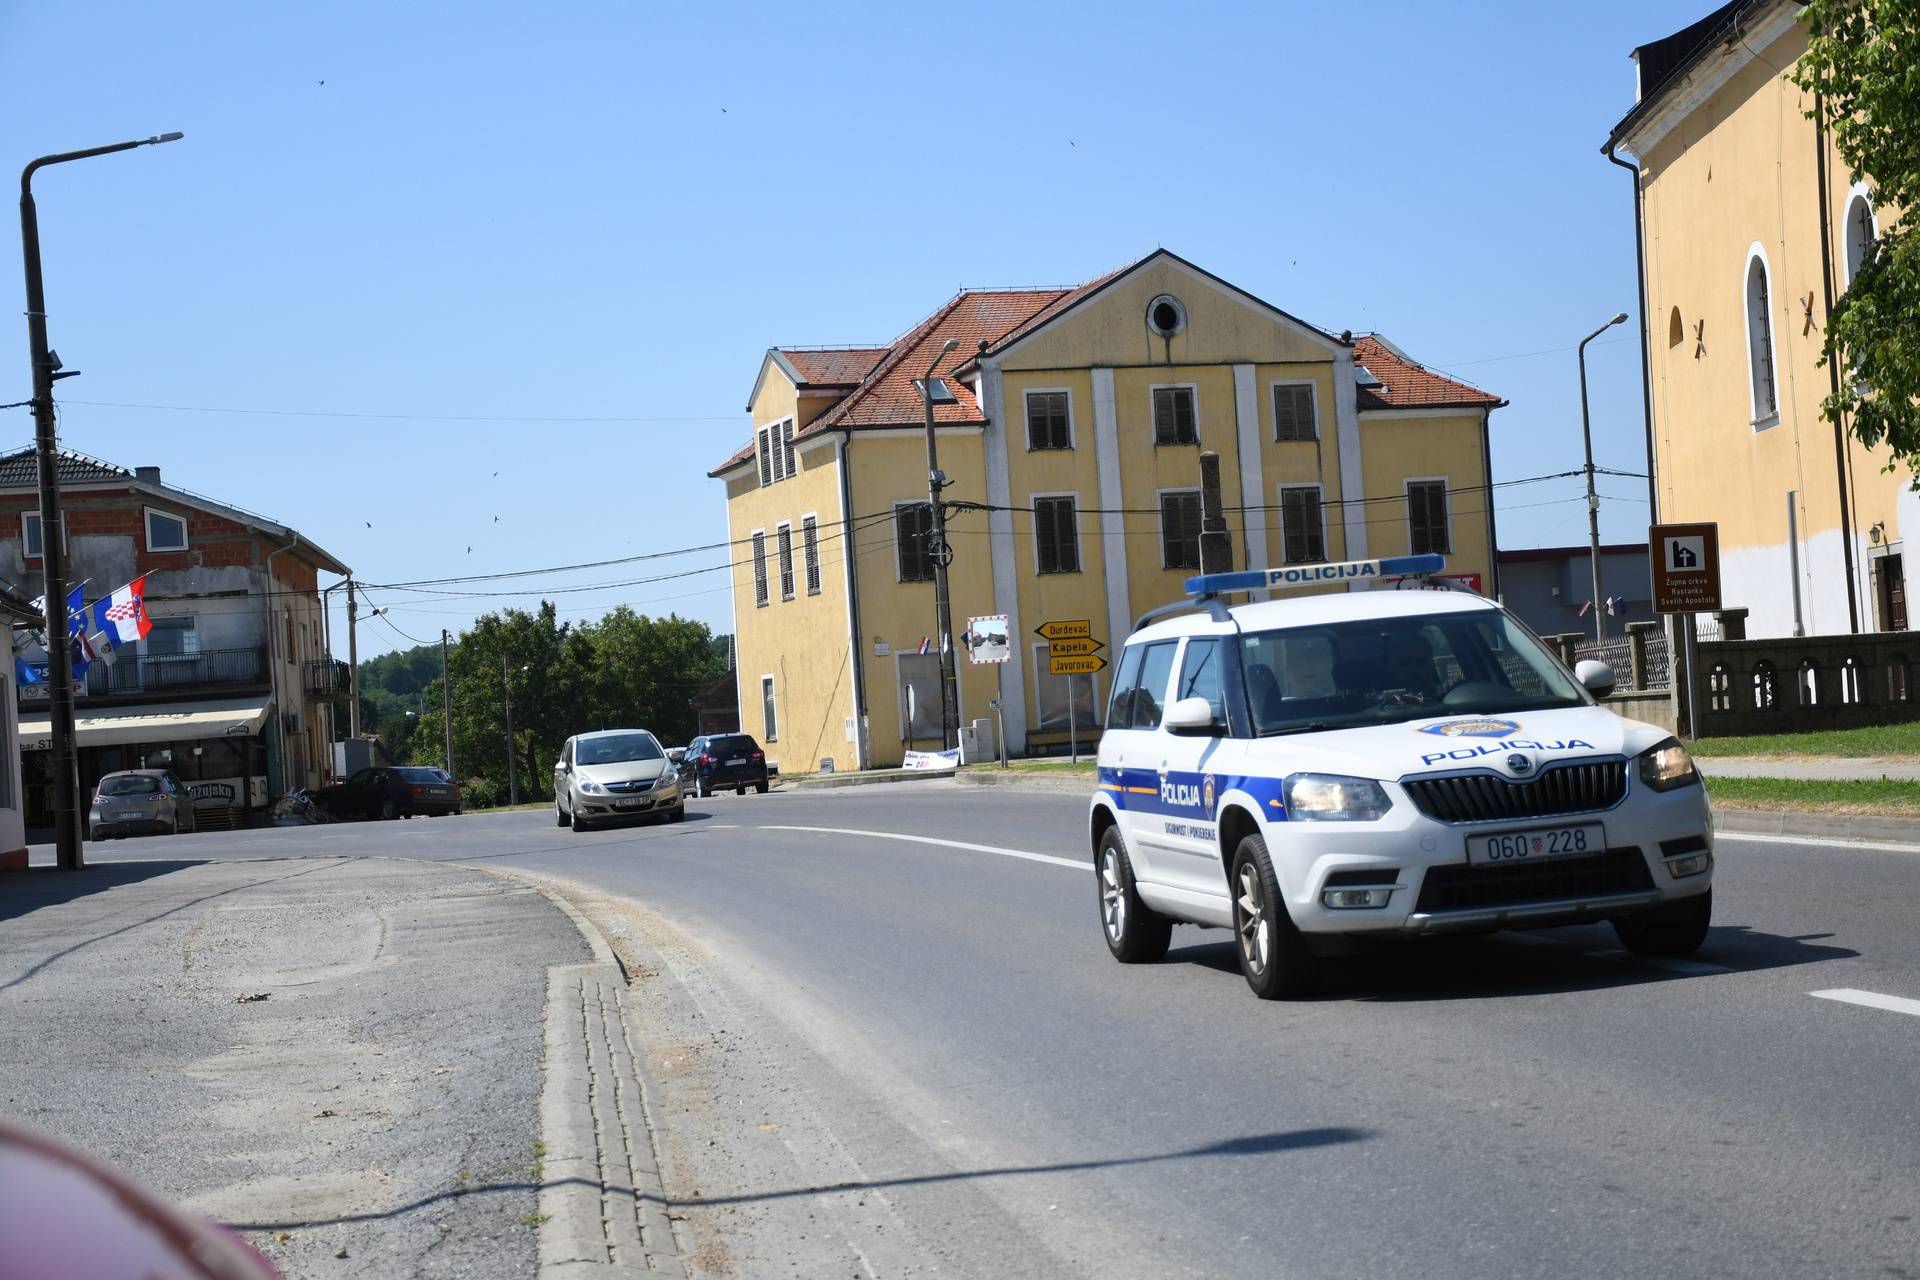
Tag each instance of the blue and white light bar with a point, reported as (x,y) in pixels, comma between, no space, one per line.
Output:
(1314,575)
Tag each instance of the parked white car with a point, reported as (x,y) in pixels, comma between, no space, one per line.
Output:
(1380,763)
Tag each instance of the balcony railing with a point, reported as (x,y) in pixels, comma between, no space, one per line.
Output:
(180,673)
(328,679)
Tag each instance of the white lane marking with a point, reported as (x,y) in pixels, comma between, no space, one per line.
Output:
(1871,999)
(945,844)
(1877,846)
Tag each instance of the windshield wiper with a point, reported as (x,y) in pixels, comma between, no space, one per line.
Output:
(1313,726)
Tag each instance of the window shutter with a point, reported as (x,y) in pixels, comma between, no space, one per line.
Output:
(1163,423)
(765,442)
(759,568)
(786,446)
(810,548)
(1293,413)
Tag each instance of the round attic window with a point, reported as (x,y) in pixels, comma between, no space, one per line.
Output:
(1165,315)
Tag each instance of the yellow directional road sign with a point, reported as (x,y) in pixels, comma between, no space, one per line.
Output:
(1079,666)
(1074,648)
(1073,629)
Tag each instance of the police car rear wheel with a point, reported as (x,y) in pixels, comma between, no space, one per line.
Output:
(1676,929)
(1273,955)
(1136,934)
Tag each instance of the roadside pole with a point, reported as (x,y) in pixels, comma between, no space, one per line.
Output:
(353,664)
(1073,724)
(1693,710)
(446,701)
(506,693)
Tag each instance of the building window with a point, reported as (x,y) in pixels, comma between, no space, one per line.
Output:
(1676,331)
(764,438)
(759,569)
(1047,425)
(810,550)
(30,533)
(165,531)
(1760,370)
(1173,420)
(173,638)
(786,448)
(1293,411)
(1303,534)
(1056,535)
(912,540)
(1427,529)
(1180,529)
(1861,233)
(769,717)
(783,540)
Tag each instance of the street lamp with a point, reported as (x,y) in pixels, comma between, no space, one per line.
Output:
(506,692)
(1593,501)
(66,814)
(935,391)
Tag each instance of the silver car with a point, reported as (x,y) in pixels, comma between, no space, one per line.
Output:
(141,802)
(614,774)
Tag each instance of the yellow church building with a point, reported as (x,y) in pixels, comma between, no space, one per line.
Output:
(1071,448)
(1749,228)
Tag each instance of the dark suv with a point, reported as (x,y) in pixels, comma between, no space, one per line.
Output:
(722,762)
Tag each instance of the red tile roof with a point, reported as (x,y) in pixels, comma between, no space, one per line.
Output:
(833,366)
(1406,384)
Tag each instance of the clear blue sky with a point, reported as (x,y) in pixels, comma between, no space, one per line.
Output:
(537,212)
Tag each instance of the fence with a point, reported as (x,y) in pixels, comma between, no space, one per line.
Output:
(1801,683)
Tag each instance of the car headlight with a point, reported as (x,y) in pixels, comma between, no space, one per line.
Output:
(1327,797)
(591,787)
(1667,765)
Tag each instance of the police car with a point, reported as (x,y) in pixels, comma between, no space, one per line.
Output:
(1313,771)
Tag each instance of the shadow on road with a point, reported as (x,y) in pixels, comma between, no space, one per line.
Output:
(44,887)
(1550,962)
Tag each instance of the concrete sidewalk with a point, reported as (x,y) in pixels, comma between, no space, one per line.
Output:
(342,1057)
(1810,768)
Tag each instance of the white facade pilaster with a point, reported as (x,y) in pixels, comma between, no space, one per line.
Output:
(1113,525)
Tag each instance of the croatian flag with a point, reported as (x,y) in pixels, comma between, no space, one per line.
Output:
(923,643)
(123,615)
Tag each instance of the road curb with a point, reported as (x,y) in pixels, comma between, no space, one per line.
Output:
(825,780)
(1024,781)
(603,1204)
(1832,826)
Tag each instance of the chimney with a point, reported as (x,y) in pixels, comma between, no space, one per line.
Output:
(149,474)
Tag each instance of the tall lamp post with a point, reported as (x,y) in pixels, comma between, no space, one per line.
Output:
(940,553)
(66,811)
(1593,500)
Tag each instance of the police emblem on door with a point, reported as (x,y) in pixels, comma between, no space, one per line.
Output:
(1206,792)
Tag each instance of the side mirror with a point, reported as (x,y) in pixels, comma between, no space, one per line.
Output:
(1190,715)
(1597,676)
(562,766)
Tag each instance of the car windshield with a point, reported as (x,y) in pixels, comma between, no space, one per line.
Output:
(132,784)
(618,748)
(1385,670)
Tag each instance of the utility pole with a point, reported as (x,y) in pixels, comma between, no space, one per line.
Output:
(1216,545)
(353,664)
(446,701)
(941,555)
(66,782)
(506,692)
(1593,500)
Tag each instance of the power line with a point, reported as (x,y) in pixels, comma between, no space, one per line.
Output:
(392,417)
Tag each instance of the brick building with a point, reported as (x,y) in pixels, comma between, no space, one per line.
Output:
(230,688)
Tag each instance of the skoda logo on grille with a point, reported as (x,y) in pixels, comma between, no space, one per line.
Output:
(1519,763)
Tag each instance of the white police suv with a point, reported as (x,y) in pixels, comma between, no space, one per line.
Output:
(1379,763)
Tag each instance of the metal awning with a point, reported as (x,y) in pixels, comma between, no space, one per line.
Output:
(153,722)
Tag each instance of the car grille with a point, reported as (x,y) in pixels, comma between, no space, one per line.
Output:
(623,788)
(1458,888)
(1564,788)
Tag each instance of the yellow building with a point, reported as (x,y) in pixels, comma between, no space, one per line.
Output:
(1072,448)
(1749,230)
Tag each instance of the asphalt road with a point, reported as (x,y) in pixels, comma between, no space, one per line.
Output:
(1518,1105)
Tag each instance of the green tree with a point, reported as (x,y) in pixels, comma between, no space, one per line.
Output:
(1861,63)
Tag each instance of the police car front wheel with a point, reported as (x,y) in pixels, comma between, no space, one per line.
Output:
(1672,929)
(1136,934)
(1273,956)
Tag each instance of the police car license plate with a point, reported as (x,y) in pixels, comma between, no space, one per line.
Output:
(1539,845)
(631,804)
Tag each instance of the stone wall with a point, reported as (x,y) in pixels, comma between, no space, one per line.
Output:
(1791,685)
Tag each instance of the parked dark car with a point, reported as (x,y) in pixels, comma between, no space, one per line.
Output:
(723,762)
(140,802)
(390,791)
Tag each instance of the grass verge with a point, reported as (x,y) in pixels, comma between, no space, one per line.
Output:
(1877,740)
(1063,767)
(1879,797)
